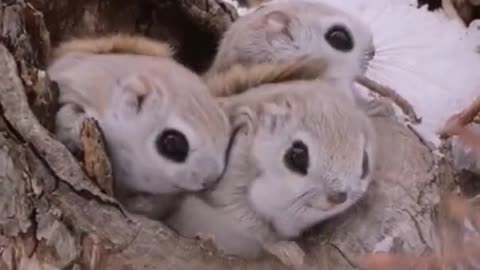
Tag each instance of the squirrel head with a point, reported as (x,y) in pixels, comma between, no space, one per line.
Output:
(283,30)
(166,133)
(310,148)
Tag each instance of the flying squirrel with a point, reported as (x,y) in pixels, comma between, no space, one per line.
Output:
(164,133)
(283,30)
(304,153)
(287,29)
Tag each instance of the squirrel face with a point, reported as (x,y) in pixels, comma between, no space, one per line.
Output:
(165,142)
(283,30)
(313,153)
(164,132)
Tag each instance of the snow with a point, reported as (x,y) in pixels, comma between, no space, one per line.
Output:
(430,60)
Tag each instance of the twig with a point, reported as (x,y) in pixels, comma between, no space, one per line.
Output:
(96,162)
(455,125)
(457,122)
(388,92)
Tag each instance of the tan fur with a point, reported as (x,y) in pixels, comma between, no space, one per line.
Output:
(117,43)
(239,78)
(254,3)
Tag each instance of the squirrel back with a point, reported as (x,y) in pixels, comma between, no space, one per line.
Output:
(240,77)
(114,44)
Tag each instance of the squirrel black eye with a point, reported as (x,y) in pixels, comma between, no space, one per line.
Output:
(365,166)
(296,158)
(173,145)
(339,38)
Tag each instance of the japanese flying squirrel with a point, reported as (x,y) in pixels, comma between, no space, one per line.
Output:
(165,134)
(304,153)
(282,30)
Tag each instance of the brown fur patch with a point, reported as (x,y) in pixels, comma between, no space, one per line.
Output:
(239,78)
(115,44)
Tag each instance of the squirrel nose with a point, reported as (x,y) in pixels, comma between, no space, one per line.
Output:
(336,197)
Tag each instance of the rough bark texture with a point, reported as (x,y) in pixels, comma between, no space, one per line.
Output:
(52,215)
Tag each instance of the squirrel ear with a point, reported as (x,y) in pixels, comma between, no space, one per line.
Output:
(277,24)
(274,114)
(244,117)
(131,93)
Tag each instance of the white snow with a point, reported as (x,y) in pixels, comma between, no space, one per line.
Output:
(430,60)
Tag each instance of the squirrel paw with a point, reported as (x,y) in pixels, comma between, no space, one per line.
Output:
(288,252)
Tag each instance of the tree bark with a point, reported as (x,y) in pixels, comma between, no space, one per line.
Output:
(53,216)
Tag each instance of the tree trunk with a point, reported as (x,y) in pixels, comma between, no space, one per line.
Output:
(53,216)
